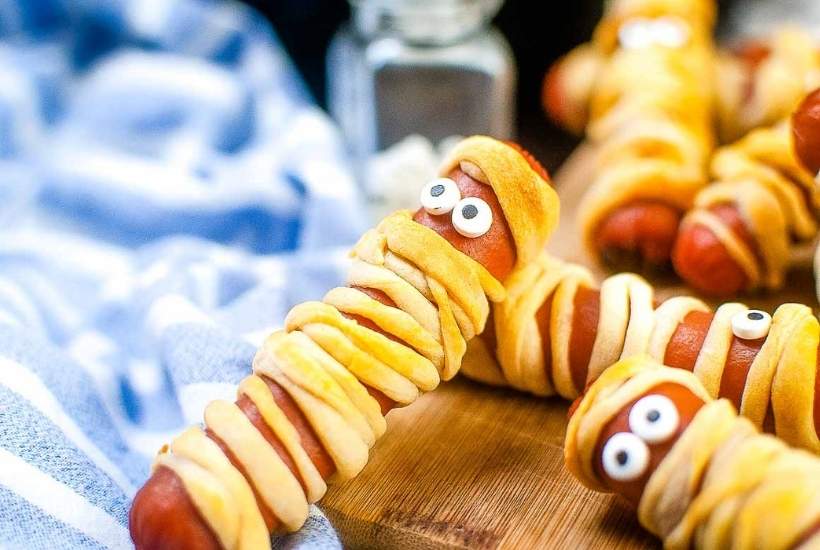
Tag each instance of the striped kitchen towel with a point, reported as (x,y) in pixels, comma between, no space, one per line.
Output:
(168,191)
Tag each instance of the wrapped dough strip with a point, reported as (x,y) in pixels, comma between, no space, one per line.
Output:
(557,332)
(700,475)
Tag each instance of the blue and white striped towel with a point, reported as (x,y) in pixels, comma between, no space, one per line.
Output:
(167,193)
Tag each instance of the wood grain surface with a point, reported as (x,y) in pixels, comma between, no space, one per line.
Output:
(468,466)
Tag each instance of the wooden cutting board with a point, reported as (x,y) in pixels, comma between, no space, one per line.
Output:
(468,466)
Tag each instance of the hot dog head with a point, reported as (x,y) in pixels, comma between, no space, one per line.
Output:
(626,423)
(493,202)
(699,475)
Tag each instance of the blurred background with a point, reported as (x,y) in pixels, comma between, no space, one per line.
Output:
(175,175)
(384,73)
(537,32)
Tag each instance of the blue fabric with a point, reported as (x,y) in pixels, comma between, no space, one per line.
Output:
(167,192)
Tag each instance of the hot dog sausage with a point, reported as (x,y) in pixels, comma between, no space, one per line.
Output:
(702,260)
(699,475)
(638,236)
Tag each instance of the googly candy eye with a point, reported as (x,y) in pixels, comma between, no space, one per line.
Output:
(654,418)
(472,217)
(751,325)
(670,32)
(625,457)
(636,34)
(440,196)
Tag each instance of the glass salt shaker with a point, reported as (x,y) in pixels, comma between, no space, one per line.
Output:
(401,69)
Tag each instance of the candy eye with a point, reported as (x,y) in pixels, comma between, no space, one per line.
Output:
(670,32)
(625,457)
(440,196)
(635,34)
(654,418)
(472,217)
(751,325)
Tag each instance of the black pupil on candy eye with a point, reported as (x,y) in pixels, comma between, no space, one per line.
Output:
(469,212)
(653,416)
(755,316)
(437,190)
(622,457)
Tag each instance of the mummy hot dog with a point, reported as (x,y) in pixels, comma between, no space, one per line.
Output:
(556,333)
(740,233)
(651,121)
(420,288)
(700,475)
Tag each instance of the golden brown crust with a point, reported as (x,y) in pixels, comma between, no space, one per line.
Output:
(529,203)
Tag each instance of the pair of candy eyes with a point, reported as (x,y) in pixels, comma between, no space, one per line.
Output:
(653,419)
(471,216)
(640,32)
